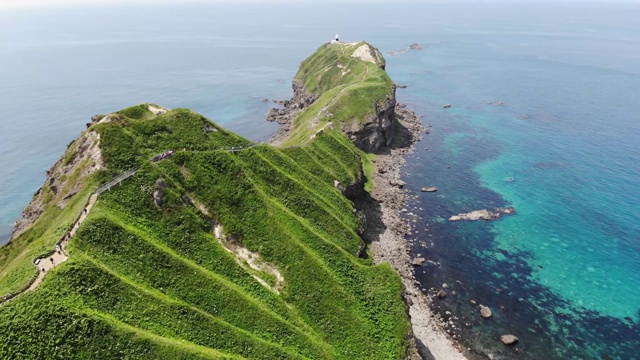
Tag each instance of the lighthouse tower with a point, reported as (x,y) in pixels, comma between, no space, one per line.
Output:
(336,40)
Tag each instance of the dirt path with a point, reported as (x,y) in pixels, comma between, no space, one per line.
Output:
(60,256)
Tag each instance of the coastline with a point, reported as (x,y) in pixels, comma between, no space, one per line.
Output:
(385,232)
(390,245)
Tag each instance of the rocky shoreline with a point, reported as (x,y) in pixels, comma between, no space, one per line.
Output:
(386,234)
(385,230)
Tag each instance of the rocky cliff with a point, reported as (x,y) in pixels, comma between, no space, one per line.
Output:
(64,179)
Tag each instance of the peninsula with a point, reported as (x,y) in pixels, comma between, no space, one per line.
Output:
(161,235)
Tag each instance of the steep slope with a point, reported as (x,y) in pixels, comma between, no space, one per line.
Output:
(344,85)
(147,277)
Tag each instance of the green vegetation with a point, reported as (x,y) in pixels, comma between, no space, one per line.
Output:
(368,167)
(349,89)
(148,279)
(16,257)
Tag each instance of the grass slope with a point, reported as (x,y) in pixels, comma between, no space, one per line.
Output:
(349,89)
(152,282)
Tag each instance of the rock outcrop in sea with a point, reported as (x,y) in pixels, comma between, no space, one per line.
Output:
(483,214)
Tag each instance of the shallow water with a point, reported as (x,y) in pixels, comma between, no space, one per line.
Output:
(562,148)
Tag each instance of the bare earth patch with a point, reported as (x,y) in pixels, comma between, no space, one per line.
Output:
(366,53)
(156,110)
(243,255)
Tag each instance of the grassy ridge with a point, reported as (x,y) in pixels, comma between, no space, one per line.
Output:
(151,281)
(349,89)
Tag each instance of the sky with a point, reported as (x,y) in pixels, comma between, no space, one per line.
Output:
(43,3)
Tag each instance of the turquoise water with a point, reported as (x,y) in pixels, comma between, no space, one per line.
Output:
(563,149)
(563,274)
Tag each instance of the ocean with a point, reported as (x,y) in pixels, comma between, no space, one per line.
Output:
(544,118)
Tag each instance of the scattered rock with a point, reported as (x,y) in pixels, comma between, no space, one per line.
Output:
(485,312)
(415,46)
(429,189)
(483,214)
(418,261)
(401,86)
(397,183)
(210,128)
(96,118)
(442,294)
(446,106)
(265,100)
(509,339)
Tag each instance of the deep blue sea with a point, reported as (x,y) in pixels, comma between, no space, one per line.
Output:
(545,117)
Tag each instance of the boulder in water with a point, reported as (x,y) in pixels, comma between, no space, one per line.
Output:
(485,312)
(429,189)
(509,339)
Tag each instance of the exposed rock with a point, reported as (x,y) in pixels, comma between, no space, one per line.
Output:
(187,200)
(415,46)
(362,217)
(157,193)
(442,294)
(419,261)
(377,131)
(96,118)
(291,108)
(265,100)
(397,183)
(82,157)
(210,128)
(157,197)
(366,52)
(483,214)
(429,189)
(485,312)
(509,339)
(157,111)
(446,106)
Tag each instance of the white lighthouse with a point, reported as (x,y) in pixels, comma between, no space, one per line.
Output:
(336,40)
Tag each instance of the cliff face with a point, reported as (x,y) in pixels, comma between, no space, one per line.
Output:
(64,179)
(377,131)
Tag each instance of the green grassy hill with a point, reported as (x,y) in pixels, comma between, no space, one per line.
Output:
(224,250)
(152,281)
(350,90)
